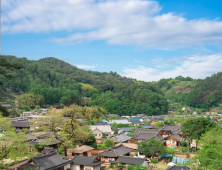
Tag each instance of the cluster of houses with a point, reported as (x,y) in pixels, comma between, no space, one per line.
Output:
(87,158)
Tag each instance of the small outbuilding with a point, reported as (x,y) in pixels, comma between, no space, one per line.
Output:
(80,151)
(85,163)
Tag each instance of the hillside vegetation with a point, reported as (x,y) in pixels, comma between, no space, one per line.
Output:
(57,82)
(199,93)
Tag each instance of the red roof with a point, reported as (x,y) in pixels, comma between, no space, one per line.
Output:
(153,123)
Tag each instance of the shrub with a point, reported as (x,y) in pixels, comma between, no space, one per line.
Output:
(184,144)
(154,161)
(115,132)
(111,166)
(136,154)
(94,145)
(108,143)
(130,134)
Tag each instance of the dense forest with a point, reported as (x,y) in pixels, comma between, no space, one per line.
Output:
(51,81)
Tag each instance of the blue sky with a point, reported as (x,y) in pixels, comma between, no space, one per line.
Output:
(146,40)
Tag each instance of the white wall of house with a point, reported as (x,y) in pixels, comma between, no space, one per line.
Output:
(77,167)
(74,167)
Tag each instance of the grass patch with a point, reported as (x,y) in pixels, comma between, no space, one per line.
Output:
(86,87)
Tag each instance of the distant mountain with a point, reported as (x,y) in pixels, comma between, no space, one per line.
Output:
(61,83)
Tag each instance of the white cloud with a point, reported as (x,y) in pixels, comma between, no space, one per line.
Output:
(86,66)
(127,22)
(138,61)
(195,67)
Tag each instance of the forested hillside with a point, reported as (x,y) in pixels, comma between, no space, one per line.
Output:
(199,93)
(52,81)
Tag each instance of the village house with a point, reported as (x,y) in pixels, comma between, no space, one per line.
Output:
(112,154)
(100,130)
(157,118)
(137,131)
(120,138)
(85,163)
(126,160)
(20,124)
(121,121)
(188,109)
(125,117)
(109,115)
(144,137)
(8,106)
(47,139)
(136,122)
(141,115)
(52,161)
(148,126)
(125,130)
(27,113)
(173,140)
(169,129)
(130,145)
(80,151)
(136,119)
(214,119)
(172,110)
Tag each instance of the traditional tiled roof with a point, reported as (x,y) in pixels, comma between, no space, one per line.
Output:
(177,168)
(131,160)
(45,135)
(177,137)
(46,162)
(172,128)
(148,127)
(30,136)
(136,131)
(6,105)
(80,149)
(121,121)
(136,122)
(47,150)
(20,123)
(116,151)
(145,136)
(129,145)
(126,129)
(102,128)
(157,117)
(122,137)
(87,161)
(135,118)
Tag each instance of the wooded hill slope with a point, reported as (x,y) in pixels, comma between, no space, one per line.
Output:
(199,93)
(56,82)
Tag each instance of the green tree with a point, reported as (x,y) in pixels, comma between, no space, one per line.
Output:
(108,143)
(74,132)
(4,66)
(151,147)
(138,126)
(12,145)
(195,128)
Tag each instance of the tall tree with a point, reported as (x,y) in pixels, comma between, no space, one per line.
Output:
(4,66)
(195,128)
(74,130)
(151,147)
(210,155)
(12,145)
